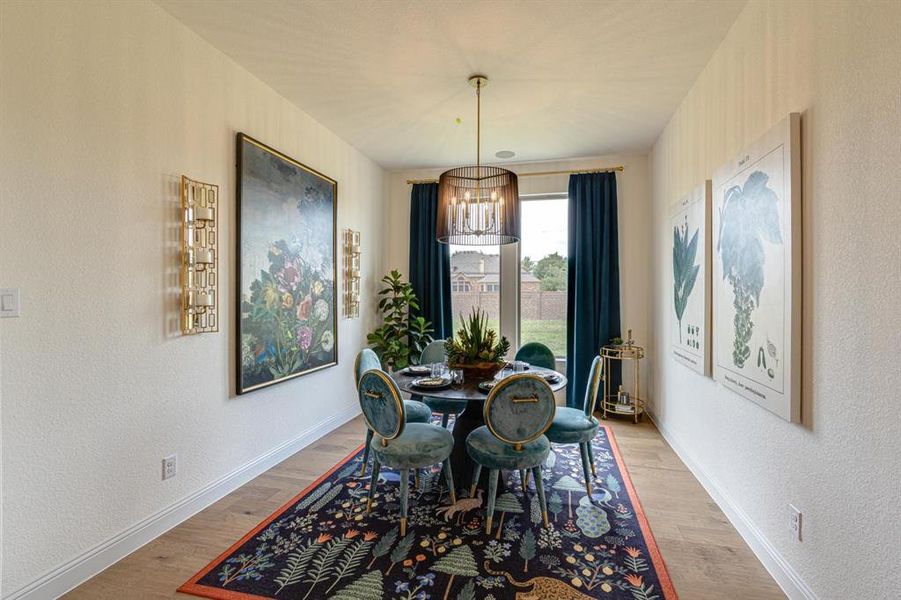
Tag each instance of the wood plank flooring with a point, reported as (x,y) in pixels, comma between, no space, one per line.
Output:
(704,554)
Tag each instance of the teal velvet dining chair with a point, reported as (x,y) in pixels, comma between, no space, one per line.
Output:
(517,412)
(537,354)
(399,443)
(578,425)
(434,352)
(416,412)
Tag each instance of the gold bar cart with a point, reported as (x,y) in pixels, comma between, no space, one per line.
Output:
(610,402)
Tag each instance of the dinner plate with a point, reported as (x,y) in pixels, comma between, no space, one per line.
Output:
(418,370)
(431,383)
(486,386)
(510,367)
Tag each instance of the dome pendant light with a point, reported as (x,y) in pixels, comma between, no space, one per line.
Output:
(478,205)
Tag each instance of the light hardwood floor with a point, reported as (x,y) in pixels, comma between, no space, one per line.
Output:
(705,556)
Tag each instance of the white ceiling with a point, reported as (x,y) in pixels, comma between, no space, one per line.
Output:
(568,78)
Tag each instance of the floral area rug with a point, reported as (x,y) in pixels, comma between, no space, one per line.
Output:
(322,544)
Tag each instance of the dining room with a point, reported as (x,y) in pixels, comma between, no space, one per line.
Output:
(395,300)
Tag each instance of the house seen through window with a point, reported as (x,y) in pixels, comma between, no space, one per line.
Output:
(475,282)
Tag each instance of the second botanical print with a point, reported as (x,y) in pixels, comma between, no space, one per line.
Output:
(690,316)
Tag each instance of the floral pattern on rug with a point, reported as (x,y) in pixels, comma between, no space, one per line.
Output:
(324,545)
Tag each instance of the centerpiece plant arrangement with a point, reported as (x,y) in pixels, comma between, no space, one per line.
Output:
(402,337)
(476,349)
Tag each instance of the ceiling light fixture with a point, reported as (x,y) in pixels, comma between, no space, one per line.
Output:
(505,154)
(478,205)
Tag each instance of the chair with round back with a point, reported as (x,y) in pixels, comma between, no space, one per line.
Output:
(416,412)
(537,354)
(517,412)
(434,352)
(578,425)
(399,443)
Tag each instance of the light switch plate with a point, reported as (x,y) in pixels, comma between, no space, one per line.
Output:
(9,303)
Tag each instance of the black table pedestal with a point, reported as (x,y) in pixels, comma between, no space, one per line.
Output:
(462,465)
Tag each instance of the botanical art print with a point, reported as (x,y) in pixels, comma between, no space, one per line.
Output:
(286,237)
(323,544)
(690,315)
(757,272)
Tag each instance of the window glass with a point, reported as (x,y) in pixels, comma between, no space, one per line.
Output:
(475,282)
(543,266)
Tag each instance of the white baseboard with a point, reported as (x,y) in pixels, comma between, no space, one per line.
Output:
(786,577)
(69,575)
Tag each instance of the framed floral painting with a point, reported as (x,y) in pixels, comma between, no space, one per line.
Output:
(287,323)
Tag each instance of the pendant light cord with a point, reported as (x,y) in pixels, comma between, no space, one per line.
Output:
(479,142)
(479,124)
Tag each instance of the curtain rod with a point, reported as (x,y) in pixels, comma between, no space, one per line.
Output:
(573,172)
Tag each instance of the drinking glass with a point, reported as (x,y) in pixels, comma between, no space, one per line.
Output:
(457,376)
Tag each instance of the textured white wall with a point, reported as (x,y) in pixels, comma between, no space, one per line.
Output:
(103,106)
(633,204)
(837,63)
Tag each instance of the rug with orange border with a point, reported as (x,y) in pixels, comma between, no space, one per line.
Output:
(323,544)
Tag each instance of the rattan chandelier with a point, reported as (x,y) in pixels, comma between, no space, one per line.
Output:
(478,205)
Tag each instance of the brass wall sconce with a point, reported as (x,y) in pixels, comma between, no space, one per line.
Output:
(200,257)
(351,273)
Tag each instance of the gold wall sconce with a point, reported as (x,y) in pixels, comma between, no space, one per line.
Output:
(351,273)
(200,257)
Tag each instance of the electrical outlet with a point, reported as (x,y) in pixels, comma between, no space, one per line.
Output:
(9,303)
(795,523)
(170,466)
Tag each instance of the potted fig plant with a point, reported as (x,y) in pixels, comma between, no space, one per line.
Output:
(402,337)
(476,349)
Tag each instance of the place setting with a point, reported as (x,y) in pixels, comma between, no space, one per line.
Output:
(417,370)
(434,376)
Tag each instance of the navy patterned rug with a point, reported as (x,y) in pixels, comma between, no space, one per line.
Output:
(322,544)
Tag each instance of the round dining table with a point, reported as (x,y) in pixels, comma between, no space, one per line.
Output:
(471,418)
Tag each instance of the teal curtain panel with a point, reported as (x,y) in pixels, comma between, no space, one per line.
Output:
(593,313)
(429,261)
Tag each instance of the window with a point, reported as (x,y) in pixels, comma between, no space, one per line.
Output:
(542,277)
(461,284)
(475,282)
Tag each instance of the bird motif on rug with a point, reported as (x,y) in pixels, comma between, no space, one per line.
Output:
(460,507)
